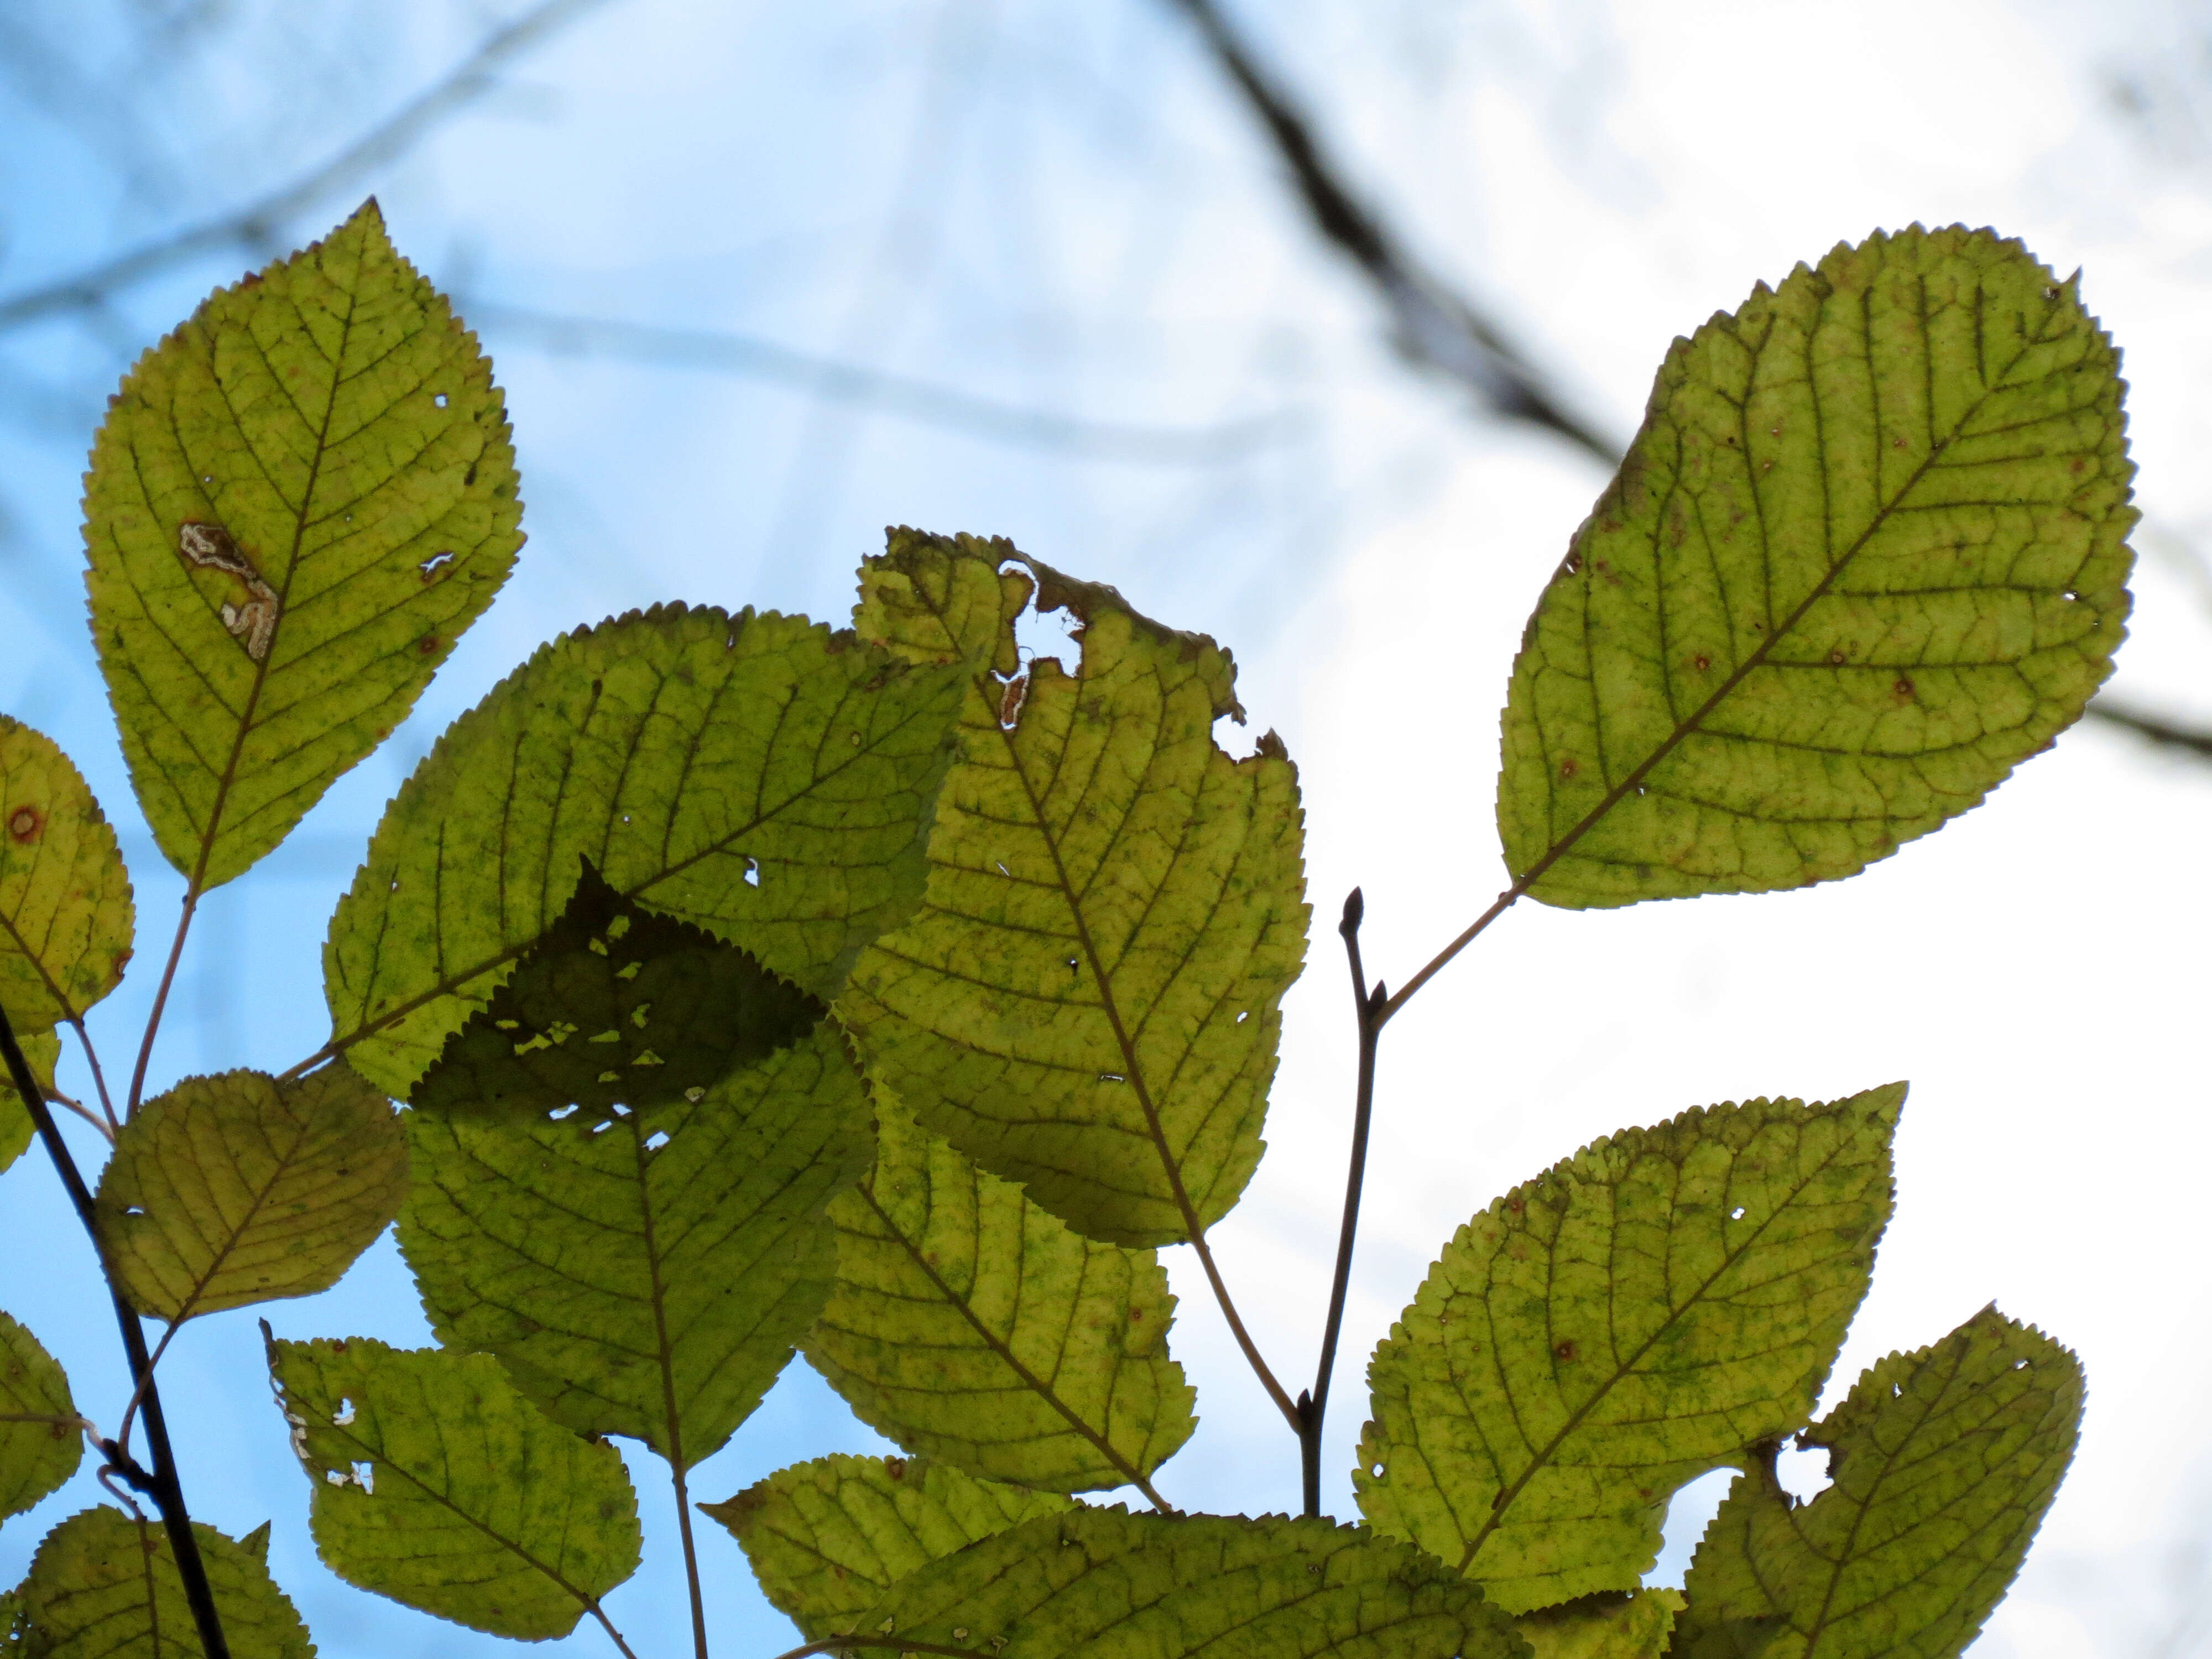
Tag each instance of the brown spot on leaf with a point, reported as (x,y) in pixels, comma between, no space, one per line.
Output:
(1566,1350)
(1836,656)
(1702,661)
(426,644)
(895,1467)
(1902,687)
(24,825)
(1567,767)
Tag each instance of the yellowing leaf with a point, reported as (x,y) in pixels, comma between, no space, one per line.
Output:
(35,1456)
(969,1324)
(297,503)
(439,1485)
(236,1188)
(615,1004)
(1942,1463)
(1086,1002)
(755,776)
(44,1050)
(1642,1312)
(1609,1626)
(105,1586)
(647,1273)
(827,1538)
(1866,555)
(1106,1584)
(66,913)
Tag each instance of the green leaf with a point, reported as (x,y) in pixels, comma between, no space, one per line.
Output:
(237,1188)
(44,1050)
(437,1484)
(105,1586)
(35,1457)
(755,776)
(1639,1314)
(1106,1584)
(648,1276)
(1611,1624)
(1866,555)
(827,1538)
(297,503)
(1942,1463)
(970,1325)
(65,912)
(1087,1002)
(615,1004)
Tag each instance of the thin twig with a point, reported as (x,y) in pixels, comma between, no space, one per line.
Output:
(2166,734)
(162,1486)
(1366,1004)
(168,977)
(55,1097)
(256,222)
(1432,324)
(923,401)
(98,1077)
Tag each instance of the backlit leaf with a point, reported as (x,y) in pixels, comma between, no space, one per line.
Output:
(297,503)
(827,1539)
(1639,1314)
(614,1004)
(437,1484)
(65,912)
(1866,555)
(1943,1462)
(1106,1584)
(236,1188)
(1086,1002)
(1608,1626)
(655,1261)
(969,1325)
(44,1050)
(105,1586)
(755,776)
(35,1457)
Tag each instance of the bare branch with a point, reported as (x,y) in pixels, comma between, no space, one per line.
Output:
(2170,734)
(257,223)
(913,399)
(1432,324)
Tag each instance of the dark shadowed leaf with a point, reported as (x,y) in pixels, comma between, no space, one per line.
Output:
(105,1586)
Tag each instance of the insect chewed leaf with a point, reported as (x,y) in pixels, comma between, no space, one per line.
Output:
(971,1325)
(44,1050)
(1616,1625)
(1866,555)
(297,503)
(105,1586)
(1087,1001)
(827,1539)
(647,1274)
(754,775)
(1943,1462)
(437,1484)
(35,1456)
(1110,1585)
(615,1004)
(1639,1314)
(65,912)
(237,1188)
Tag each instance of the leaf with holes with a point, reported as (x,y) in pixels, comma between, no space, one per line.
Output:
(1087,1002)
(1866,555)
(44,1050)
(237,1188)
(755,776)
(437,1484)
(65,911)
(1941,1462)
(297,503)
(646,1273)
(1637,1315)
(1613,1625)
(105,1586)
(614,1005)
(971,1325)
(41,1443)
(827,1539)
(1107,1584)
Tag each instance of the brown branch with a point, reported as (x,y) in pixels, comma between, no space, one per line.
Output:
(1432,324)
(2168,734)
(254,224)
